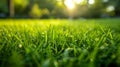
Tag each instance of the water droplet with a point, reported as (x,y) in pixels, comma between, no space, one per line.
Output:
(20,45)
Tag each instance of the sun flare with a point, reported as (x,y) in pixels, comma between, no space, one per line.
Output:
(78,1)
(91,1)
(70,4)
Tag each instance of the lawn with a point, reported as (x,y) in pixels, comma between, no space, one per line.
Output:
(60,43)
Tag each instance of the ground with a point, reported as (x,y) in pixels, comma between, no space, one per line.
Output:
(60,43)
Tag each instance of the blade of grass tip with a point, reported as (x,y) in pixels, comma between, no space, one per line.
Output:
(62,44)
(75,51)
(110,33)
(18,38)
(39,47)
(107,33)
(111,36)
(94,53)
(81,56)
(101,28)
(46,37)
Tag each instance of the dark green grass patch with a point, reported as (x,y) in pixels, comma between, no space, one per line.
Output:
(60,43)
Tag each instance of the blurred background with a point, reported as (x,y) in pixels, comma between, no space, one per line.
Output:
(46,9)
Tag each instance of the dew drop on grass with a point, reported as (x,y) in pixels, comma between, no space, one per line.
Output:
(20,45)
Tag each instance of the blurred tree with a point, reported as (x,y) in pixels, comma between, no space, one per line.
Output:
(49,4)
(45,13)
(96,9)
(46,7)
(20,7)
(3,7)
(81,9)
(11,7)
(116,4)
(117,8)
(57,8)
(35,11)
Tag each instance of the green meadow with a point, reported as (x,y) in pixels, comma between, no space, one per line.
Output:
(60,43)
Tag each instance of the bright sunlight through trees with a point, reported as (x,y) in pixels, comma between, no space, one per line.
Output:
(78,1)
(91,1)
(70,4)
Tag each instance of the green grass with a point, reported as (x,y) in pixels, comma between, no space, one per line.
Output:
(60,43)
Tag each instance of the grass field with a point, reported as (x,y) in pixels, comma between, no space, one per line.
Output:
(60,43)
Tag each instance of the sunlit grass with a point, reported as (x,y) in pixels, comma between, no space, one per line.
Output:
(57,43)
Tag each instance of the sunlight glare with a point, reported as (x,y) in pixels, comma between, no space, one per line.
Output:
(110,8)
(78,1)
(91,1)
(70,4)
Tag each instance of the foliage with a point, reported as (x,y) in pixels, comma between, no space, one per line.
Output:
(35,11)
(58,9)
(20,6)
(45,13)
(60,43)
(3,8)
